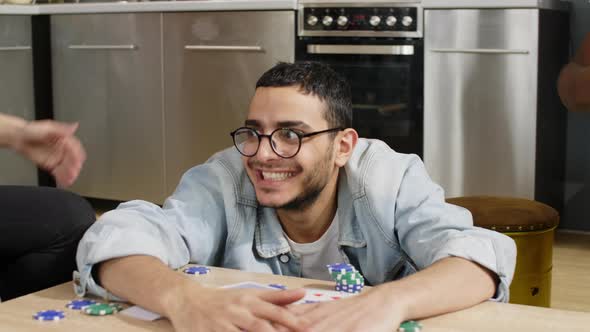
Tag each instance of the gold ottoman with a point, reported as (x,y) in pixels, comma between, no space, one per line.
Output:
(531,224)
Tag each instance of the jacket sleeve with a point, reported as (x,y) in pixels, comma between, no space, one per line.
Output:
(429,229)
(191,226)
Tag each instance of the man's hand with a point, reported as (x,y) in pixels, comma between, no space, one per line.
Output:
(53,147)
(210,309)
(373,311)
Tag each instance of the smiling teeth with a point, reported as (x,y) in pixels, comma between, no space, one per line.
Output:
(274,176)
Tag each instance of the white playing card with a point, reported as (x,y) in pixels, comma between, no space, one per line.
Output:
(314,295)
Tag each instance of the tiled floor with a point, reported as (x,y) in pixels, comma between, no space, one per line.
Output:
(571,266)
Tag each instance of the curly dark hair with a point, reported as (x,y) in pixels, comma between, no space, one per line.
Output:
(319,80)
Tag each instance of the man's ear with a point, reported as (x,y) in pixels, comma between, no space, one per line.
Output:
(345,143)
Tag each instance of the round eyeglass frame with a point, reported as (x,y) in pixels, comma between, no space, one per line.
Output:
(260,136)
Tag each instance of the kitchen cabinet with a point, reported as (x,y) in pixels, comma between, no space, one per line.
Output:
(212,61)
(107,75)
(493,122)
(16,92)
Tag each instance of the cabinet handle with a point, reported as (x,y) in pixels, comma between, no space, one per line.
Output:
(361,49)
(478,51)
(103,47)
(223,48)
(15,48)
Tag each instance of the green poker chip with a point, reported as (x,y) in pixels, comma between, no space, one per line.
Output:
(102,309)
(410,326)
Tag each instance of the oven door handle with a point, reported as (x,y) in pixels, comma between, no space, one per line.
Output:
(361,49)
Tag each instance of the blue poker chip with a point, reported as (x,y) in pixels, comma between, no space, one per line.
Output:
(196,270)
(278,286)
(49,315)
(340,268)
(79,304)
(310,302)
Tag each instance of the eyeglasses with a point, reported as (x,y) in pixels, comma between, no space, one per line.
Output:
(285,142)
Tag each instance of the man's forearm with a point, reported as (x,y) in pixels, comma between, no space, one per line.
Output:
(448,285)
(143,280)
(9,127)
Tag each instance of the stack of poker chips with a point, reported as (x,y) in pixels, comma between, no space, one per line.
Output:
(347,278)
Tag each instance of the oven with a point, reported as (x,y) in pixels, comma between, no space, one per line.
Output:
(378,47)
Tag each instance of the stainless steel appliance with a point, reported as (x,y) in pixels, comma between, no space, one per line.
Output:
(378,46)
(493,123)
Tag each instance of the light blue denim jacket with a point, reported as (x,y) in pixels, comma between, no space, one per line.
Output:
(393,221)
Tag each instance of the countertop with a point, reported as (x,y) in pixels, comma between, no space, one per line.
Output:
(229,5)
(151,6)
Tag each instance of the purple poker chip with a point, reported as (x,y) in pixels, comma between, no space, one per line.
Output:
(278,286)
(196,270)
(49,315)
(79,304)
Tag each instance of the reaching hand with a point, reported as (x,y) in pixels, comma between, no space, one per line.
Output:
(204,309)
(53,147)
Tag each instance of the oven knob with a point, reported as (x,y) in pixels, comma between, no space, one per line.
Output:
(312,20)
(327,20)
(390,21)
(407,21)
(374,20)
(342,20)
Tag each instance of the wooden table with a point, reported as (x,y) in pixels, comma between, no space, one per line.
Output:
(16,315)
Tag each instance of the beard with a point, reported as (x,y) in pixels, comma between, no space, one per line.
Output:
(313,185)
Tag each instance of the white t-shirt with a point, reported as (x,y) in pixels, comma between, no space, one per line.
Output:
(316,255)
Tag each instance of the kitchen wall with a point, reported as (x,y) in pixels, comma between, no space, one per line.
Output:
(576,213)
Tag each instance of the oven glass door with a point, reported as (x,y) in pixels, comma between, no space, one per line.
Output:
(387,89)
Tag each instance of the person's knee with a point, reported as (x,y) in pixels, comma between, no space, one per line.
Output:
(72,211)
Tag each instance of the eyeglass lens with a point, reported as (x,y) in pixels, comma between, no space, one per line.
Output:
(284,142)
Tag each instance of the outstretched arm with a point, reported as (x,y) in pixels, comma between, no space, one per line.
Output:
(148,282)
(448,285)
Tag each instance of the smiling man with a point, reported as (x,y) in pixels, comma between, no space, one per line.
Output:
(299,190)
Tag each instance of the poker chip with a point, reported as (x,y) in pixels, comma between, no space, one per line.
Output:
(338,268)
(278,286)
(49,315)
(347,278)
(79,304)
(410,326)
(102,309)
(196,270)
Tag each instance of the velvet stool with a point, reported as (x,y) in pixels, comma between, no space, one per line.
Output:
(531,225)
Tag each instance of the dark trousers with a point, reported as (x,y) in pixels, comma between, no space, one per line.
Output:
(40,228)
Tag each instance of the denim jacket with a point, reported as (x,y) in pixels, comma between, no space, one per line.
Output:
(393,221)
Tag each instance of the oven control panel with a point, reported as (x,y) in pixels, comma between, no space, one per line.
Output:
(331,20)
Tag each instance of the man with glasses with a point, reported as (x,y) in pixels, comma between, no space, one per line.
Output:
(299,190)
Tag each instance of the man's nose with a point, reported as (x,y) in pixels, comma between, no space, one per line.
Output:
(265,151)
